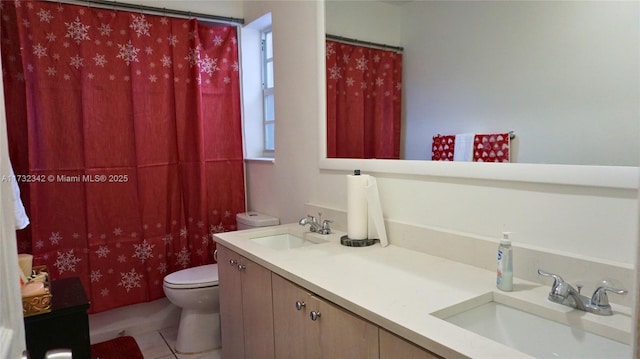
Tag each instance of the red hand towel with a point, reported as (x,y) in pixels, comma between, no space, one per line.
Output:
(442,147)
(492,147)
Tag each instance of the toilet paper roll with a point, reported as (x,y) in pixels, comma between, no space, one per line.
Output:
(357,207)
(25,261)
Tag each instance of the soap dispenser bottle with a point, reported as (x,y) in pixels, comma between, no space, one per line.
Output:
(504,279)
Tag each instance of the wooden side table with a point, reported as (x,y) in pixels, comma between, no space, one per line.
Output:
(66,326)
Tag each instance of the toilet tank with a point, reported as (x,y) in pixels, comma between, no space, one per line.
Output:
(248,220)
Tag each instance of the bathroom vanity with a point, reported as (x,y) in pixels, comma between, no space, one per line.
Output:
(300,325)
(315,298)
(245,299)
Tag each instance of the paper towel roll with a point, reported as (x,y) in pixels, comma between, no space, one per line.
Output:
(376,228)
(357,212)
(25,262)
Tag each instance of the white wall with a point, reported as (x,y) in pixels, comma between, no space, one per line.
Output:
(282,188)
(562,75)
(227,8)
(377,22)
(593,222)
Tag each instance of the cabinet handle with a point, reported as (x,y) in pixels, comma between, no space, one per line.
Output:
(300,305)
(315,315)
(215,255)
(241,267)
(233,262)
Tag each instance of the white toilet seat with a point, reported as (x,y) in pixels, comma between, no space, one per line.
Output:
(191,278)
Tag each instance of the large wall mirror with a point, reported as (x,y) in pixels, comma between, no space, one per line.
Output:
(564,76)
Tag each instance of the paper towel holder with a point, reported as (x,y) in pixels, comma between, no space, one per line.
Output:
(346,241)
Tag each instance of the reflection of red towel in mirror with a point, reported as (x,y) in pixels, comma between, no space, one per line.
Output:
(442,148)
(493,147)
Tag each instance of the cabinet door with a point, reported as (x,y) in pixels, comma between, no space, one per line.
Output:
(230,304)
(392,347)
(343,334)
(257,308)
(295,335)
(335,333)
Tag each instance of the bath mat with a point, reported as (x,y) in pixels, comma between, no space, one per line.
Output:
(118,348)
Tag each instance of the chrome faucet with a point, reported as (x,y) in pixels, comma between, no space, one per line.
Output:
(314,226)
(563,293)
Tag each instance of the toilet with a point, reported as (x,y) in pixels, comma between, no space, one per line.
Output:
(248,220)
(195,290)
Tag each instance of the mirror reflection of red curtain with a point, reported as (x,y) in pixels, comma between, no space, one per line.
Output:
(128,126)
(364,98)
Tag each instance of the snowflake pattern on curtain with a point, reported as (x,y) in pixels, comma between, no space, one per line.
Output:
(364,99)
(106,42)
(129,126)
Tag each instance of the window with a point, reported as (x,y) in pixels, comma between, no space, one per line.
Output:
(257,90)
(267,92)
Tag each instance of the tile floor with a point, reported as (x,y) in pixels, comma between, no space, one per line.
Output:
(160,344)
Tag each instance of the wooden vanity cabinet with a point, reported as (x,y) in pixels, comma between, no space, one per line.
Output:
(246,316)
(332,332)
(393,347)
(263,315)
(291,328)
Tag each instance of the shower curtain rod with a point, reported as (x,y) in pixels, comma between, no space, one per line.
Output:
(367,43)
(106,4)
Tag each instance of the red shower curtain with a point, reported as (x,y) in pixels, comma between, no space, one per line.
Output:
(364,98)
(124,129)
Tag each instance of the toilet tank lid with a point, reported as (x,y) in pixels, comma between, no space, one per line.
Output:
(201,276)
(255,219)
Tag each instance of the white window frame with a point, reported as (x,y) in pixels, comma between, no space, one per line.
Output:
(267,91)
(253,92)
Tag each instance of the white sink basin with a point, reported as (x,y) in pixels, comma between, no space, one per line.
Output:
(283,241)
(532,334)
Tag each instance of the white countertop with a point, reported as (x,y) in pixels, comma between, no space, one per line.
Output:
(398,289)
